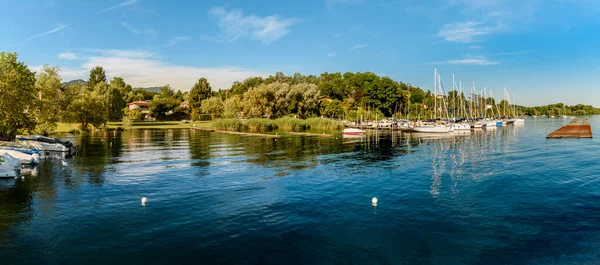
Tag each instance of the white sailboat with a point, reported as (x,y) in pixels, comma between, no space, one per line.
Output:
(435,126)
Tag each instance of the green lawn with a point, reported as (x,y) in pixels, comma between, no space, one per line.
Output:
(66,127)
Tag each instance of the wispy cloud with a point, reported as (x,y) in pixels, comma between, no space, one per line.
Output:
(358,46)
(474,47)
(67,56)
(141,69)
(337,35)
(234,25)
(331,54)
(137,31)
(126,3)
(465,32)
(54,30)
(514,53)
(177,40)
(479,60)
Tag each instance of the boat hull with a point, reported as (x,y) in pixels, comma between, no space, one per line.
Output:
(432,129)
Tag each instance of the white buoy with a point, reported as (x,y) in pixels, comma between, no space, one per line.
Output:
(144,201)
(374,201)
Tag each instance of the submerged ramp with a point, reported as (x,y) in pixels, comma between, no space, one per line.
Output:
(578,128)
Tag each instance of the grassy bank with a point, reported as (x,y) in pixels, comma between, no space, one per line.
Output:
(256,124)
(292,124)
(75,128)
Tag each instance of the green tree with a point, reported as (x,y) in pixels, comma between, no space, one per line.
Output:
(97,75)
(232,107)
(179,96)
(17,96)
(303,100)
(161,108)
(116,103)
(213,106)
(258,102)
(167,92)
(90,107)
(47,109)
(120,84)
(333,109)
(200,91)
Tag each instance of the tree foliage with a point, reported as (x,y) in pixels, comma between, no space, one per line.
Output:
(97,75)
(17,96)
(200,91)
(89,107)
(47,109)
(212,106)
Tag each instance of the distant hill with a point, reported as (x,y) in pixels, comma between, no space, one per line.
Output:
(155,89)
(73,82)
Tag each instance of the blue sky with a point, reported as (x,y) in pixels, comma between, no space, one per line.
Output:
(542,51)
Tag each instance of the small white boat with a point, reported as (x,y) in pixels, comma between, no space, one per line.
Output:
(353,131)
(45,144)
(433,128)
(9,167)
(26,158)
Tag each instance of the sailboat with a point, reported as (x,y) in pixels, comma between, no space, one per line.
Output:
(434,126)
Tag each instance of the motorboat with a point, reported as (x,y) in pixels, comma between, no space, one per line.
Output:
(10,161)
(353,131)
(24,158)
(45,144)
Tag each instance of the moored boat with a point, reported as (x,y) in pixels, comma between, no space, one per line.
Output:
(433,128)
(353,131)
(24,157)
(45,144)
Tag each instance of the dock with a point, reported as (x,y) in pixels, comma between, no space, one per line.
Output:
(239,133)
(578,128)
(312,134)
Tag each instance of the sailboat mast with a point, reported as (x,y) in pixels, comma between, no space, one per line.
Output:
(453,99)
(435,93)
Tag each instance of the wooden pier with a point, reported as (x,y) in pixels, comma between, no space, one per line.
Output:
(578,128)
(312,134)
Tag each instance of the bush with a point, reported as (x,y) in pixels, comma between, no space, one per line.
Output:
(229,124)
(260,124)
(290,123)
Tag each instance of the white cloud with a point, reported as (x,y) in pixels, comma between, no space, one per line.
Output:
(137,31)
(358,46)
(479,60)
(514,53)
(141,69)
(465,32)
(54,30)
(234,25)
(331,54)
(177,40)
(126,3)
(67,56)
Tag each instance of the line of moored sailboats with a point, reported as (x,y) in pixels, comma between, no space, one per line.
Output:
(477,112)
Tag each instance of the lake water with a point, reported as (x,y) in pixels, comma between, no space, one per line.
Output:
(504,196)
